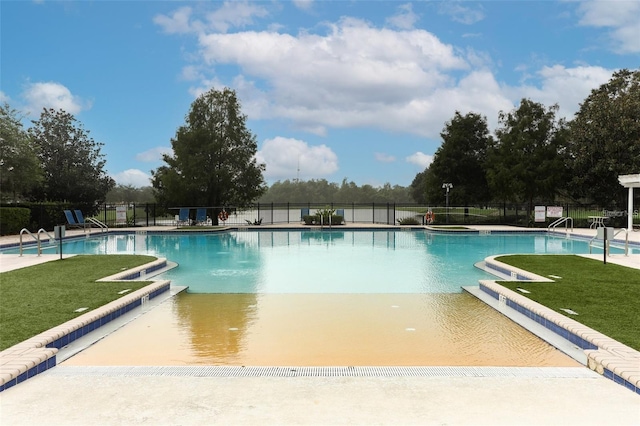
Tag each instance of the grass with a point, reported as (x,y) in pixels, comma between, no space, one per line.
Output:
(604,296)
(40,297)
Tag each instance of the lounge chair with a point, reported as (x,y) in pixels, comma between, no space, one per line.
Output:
(183,217)
(71,220)
(201,216)
(80,218)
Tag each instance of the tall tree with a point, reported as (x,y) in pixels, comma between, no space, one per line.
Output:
(213,162)
(460,160)
(605,140)
(19,166)
(527,162)
(71,161)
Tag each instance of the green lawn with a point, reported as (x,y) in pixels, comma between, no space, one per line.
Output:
(606,297)
(40,297)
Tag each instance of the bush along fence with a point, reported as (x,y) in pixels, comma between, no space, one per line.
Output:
(48,215)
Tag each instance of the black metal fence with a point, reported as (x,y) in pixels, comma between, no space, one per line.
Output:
(374,213)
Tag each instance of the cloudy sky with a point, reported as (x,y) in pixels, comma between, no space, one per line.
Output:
(332,89)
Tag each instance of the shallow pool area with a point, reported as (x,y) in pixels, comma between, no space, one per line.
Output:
(322,330)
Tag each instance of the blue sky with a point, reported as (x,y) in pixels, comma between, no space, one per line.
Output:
(332,89)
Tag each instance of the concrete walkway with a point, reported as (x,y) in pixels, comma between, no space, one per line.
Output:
(571,396)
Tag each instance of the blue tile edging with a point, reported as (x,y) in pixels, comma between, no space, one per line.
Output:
(37,354)
(606,356)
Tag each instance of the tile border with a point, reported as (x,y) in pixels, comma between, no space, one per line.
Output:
(38,353)
(605,355)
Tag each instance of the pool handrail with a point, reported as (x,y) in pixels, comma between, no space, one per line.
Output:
(553,225)
(25,230)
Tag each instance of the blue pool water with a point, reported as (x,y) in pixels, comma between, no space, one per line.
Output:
(361,261)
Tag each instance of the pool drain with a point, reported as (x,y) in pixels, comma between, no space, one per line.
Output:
(233,371)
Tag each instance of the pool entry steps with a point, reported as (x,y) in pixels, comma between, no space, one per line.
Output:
(599,352)
(38,354)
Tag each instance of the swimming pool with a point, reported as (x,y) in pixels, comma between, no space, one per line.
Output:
(353,261)
(303,298)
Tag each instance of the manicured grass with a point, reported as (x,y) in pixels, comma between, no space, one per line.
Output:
(606,297)
(40,297)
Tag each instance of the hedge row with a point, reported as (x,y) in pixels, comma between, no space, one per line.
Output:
(14,219)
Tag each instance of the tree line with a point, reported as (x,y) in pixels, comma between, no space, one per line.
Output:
(534,156)
(55,160)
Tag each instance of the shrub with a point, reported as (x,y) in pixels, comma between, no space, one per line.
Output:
(13,219)
(408,221)
(316,220)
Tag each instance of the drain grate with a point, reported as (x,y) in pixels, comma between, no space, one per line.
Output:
(233,371)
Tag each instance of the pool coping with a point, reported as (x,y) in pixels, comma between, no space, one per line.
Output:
(38,353)
(604,355)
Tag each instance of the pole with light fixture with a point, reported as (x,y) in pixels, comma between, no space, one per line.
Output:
(447,187)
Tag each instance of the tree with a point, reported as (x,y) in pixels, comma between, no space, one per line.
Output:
(460,160)
(213,162)
(527,162)
(71,161)
(130,194)
(418,187)
(19,167)
(605,140)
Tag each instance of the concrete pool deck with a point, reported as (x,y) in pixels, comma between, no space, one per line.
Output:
(68,395)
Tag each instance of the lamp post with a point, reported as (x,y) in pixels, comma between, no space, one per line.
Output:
(447,187)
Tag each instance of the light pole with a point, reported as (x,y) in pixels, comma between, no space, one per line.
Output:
(447,187)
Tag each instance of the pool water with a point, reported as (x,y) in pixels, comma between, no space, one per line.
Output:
(326,262)
(319,298)
(441,329)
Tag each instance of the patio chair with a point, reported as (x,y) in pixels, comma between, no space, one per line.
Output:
(71,220)
(201,216)
(183,217)
(80,218)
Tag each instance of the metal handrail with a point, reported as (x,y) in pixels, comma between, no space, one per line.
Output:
(102,226)
(51,238)
(626,239)
(553,225)
(25,230)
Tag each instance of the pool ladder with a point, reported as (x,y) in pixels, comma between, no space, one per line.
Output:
(626,241)
(566,220)
(37,238)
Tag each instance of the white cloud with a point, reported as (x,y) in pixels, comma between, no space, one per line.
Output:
(303,4)
(420,159)
(283,158)
(153,154)
(4,97)
(134,177)
(566,86)
(622,17)
(235,14)
(232,14)
(405,18)
(178,22)
(355,75)
(459,13)
(384,158)
(52,95)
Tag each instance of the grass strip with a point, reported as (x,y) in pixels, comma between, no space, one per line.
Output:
(37,298)
(604,296)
